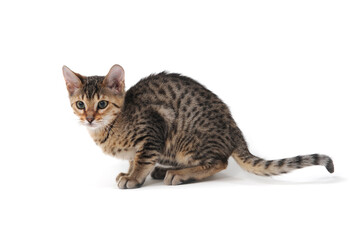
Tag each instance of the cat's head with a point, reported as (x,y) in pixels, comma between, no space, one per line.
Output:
(96,100)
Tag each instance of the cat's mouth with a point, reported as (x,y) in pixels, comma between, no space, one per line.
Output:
(92,125)
(95,124)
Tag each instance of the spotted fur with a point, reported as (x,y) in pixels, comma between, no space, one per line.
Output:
(170,126)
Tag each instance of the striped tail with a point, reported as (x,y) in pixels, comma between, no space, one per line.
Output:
(263,167)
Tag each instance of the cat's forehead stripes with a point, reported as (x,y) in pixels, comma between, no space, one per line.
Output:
(92,85)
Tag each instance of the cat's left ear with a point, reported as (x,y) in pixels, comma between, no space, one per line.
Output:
(115,79)
(72,80)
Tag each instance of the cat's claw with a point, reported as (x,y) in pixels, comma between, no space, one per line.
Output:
(126,182)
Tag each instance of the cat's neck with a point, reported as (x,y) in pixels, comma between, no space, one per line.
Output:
(101,134)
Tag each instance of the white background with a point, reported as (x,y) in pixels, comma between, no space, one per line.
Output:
(289,71)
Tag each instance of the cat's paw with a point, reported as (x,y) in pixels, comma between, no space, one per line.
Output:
(126,182)
(121,175)
(171,178)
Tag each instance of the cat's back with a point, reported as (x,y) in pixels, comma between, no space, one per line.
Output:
(173,90)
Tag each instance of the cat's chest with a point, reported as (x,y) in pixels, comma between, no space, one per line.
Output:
(115,149)
(116,146)
(125,153)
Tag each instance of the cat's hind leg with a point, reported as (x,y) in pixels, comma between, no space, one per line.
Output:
(192,174)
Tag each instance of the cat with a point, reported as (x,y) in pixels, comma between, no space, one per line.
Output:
(168,126)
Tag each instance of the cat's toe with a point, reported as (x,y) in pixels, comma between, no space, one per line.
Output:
(126,182)
(176,179)
(168,178)
(120,175)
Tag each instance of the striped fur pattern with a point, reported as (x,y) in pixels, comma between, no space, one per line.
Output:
(263,167)
(168,126)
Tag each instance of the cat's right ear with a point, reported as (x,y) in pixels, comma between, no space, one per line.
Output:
(115,79)
(72,80)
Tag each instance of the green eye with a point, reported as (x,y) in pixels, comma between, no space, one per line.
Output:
(80,105)
(102,104)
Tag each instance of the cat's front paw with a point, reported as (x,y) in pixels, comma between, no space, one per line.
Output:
(126,182)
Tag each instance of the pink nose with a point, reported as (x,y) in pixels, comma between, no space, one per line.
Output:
(90,119)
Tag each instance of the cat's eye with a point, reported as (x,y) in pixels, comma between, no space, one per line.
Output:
(80,105)
(102,104)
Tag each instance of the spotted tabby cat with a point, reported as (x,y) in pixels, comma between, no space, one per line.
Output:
(169,126)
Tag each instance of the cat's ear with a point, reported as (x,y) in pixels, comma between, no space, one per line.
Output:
(72,80)
(115,79)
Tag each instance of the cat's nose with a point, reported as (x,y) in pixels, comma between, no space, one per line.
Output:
(90,119)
